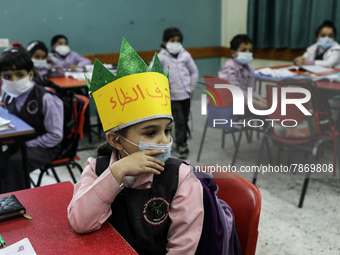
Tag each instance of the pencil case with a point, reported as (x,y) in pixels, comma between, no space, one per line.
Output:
(11,208)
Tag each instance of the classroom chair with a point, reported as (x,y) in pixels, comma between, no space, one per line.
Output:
(244,198)
(221,107)
(69,161)
(310,135)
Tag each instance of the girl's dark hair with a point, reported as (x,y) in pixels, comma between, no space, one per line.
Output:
(33,46)
(15,58)
(172,32)
(56,38)
(326,23)
(238,39)
(105,148)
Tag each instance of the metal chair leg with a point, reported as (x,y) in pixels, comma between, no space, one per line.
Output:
(71,174)
(304,190)
(237,147)
(202,140)
(259,158)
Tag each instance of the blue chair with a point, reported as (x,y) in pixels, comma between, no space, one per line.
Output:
(222,110)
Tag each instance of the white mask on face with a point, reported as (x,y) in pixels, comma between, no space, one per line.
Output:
(16,88)
(39,63)
(153,146)
(325,42)
(174,47)
(244,58)
(63,50)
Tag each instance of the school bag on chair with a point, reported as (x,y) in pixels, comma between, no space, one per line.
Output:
(71,113)
(219,235)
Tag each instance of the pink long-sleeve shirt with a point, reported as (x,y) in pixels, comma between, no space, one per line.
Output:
(90,206)
(183,73)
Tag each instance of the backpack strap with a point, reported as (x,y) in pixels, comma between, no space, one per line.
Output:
(216,213)
(102,163)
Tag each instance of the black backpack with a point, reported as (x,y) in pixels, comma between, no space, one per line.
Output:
(72,109)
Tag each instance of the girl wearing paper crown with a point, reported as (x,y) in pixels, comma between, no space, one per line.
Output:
(153,201)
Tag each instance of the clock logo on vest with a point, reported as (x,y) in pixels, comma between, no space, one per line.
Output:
(32,107)
(156,210)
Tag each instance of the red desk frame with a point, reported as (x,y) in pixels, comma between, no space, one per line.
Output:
(50,232)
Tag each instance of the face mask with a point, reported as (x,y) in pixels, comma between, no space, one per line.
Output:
(153,146)
(174,47)
(63,50)
(325,42)
(39,63)
(16,88)
(244,58)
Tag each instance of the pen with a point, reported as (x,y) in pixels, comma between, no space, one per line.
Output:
(2,243)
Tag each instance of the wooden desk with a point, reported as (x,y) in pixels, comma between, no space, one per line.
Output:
(18,134)
(50,232)
(68,82)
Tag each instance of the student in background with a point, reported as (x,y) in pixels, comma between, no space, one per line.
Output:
(44,66)
(238,71)
(37,107)
(65,57)
(182,69)
(325,52)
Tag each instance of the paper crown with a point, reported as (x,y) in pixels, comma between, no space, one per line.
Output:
(135,94)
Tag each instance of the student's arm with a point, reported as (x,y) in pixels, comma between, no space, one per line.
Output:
(57,60)
(193,70)
(227,71)
(79,60)
(55,69)
(90,206)
(186,214)
(332,58)
(53,111)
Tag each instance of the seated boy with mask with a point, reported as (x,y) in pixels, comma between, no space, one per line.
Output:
(65,57)
(238,71)
(39,108)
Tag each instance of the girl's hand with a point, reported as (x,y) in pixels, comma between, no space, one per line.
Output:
(137,163)
(300,61)
(73,66)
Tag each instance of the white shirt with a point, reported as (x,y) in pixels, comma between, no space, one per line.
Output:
(331,58)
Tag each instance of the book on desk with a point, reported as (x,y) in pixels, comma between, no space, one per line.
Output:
(5,124)
(311,68)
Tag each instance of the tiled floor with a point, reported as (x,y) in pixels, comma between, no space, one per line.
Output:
(284,229)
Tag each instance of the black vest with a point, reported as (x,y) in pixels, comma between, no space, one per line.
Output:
(141,216)
(31,111)
(319,55)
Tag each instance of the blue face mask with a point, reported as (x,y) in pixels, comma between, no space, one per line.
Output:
(244,58)
(153,146)
(325,42)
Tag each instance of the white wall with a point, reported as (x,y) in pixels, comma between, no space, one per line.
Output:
(234,19)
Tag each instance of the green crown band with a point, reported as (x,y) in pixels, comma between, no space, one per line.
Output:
(129,63)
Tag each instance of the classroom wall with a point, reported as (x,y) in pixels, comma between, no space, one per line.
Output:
(233,22)
(98,26)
